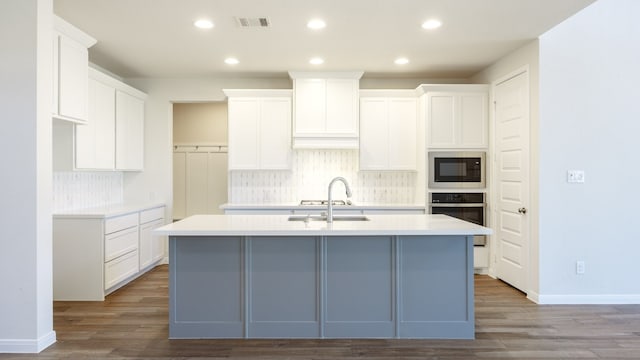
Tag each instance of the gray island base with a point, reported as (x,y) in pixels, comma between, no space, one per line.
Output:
(321,283)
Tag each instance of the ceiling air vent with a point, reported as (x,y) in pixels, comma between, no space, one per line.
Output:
(260,22)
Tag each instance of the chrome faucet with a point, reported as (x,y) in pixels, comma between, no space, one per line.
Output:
(330,202)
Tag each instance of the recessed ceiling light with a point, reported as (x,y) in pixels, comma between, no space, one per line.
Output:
(203,24)
(431,24)
(316,61)
(231,61)
(316,24)
(401,61)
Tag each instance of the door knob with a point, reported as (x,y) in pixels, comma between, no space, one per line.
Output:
(522,210)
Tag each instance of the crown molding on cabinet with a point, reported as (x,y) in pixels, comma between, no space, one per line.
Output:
(63,27)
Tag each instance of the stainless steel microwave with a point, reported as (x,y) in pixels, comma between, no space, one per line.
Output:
(457,170)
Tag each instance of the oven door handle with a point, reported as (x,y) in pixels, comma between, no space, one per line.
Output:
(449,205)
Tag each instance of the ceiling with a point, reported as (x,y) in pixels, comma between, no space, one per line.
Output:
(156,38)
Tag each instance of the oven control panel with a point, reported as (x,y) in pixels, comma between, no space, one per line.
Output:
(457,198)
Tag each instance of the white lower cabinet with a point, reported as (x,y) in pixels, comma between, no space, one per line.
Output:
(95,254)
(120,269)
(120,243)
(151,249)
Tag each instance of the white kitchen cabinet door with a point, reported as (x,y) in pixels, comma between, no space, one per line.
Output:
(310,106)
(95,141)
(441,119)
(342,107)
(275,134)
(70,65)
(388,133)
(457,119)
(259,129)
(374,134)
(326,110)
(403,126)
(72,80)
(474,120)
(244,127)
(129,132)
(149,244)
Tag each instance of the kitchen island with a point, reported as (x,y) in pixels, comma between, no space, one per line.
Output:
(264,276)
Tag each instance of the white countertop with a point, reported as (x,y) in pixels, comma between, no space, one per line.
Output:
(279,225)
(297,206)
(105,211)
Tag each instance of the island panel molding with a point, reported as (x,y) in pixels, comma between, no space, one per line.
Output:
(262,276)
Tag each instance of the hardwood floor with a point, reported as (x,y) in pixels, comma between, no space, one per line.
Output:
(132,324)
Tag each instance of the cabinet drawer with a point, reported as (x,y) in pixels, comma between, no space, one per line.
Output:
(151,214)
(120,268)
(120,243)
(120,223)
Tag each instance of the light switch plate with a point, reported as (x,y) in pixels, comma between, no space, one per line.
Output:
(575,176)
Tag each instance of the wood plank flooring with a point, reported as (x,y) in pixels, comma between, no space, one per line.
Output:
(132,324)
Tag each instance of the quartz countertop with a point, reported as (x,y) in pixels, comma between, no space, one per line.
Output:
(100,212)
(279,225)
(297,206)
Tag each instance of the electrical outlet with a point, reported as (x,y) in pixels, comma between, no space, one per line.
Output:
(575,176)
(580,269)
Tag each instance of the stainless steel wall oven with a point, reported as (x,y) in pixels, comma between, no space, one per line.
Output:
(466,206)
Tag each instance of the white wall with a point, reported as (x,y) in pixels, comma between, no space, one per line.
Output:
(26,307)
(590,120)
(525,57)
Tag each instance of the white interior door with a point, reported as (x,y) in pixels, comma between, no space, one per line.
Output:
(512,179)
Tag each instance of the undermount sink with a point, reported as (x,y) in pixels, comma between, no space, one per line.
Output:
(324,218)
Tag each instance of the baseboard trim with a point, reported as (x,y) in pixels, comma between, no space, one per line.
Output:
(533,296)
(27,346)
(631,299)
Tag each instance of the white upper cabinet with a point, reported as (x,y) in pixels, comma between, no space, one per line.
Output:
(113,136)
(129,131)
(388,130)
(70,72)
(259,129)
(325,114)
(457,116)
(96,141)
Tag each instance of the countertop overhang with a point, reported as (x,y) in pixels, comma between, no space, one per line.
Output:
(297,206)
(279,225)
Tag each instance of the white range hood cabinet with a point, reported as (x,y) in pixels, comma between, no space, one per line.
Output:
(325,110)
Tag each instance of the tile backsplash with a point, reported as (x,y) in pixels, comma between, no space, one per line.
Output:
(311,172)
(79,190)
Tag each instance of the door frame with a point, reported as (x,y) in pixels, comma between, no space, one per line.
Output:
(493,204)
